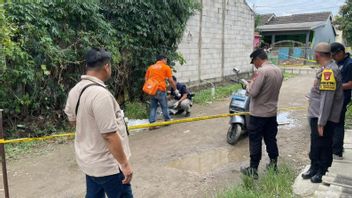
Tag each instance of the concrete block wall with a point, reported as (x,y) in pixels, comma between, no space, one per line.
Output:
(216,39)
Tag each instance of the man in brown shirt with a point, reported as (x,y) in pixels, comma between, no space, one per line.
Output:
(101,141)
(263,89)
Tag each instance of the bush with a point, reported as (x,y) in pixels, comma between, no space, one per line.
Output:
(136,110)
(45,42)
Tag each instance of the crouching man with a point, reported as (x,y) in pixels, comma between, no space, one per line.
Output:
(180,103)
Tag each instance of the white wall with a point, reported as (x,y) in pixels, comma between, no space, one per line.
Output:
(324,34)
(210,49)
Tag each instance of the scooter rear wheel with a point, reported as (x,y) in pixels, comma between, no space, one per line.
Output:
(234,133)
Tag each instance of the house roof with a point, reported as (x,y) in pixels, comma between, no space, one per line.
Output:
(308,21)
(290,26)
(301,18)
(265,18)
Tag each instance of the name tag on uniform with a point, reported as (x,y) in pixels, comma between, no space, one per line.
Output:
(327,82)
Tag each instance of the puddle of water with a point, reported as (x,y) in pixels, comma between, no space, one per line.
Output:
(206,161)
(284,120)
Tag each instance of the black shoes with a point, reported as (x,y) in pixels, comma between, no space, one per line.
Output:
(250,172)
(188,114)
(309,174)
(314,175)
(272,165)
(317,178)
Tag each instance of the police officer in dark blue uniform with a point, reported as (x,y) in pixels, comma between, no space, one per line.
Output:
(344,62)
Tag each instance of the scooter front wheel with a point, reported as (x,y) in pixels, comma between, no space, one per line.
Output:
(234,133)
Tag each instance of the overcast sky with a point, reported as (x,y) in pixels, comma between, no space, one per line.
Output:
(285,7)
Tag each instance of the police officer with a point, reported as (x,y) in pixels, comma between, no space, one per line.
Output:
(325,104)
(344,63)
(263,89)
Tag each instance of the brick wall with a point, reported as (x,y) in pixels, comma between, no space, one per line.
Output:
(216,39)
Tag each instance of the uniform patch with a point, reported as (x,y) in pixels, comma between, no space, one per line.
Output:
(327,82)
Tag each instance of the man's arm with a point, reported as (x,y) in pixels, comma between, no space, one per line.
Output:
(255,84)
(105,118)
(172,82)
(114,145)
(346,86)
(185,93)
(326,102)
(69,111)
(184,97)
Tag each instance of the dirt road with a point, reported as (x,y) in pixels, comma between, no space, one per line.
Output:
(184,160)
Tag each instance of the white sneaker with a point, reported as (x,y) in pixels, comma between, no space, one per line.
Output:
(337,157)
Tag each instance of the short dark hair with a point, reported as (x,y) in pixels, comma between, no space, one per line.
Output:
(337,47)
(97,57)
(174,78)
(160,57)
(258,53)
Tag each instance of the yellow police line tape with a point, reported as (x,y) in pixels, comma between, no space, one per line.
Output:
(141,126)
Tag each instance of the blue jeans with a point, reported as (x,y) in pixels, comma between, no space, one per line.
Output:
(159,98)
(110,185)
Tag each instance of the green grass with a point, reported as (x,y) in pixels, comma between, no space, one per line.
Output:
(288,75)
(269,184)
(13,151)
(204,96)
(136,110)
(16,150)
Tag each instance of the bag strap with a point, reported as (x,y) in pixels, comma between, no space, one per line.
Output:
(84,88)
(79,99)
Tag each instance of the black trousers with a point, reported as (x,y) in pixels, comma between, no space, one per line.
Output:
(321,146)
(262,128)
(339,134)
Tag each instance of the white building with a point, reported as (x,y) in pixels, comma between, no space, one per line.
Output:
(216,39)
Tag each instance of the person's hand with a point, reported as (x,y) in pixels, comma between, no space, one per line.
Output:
(127,172)
(245,82)
(321,131)
(176,104)
(177,93)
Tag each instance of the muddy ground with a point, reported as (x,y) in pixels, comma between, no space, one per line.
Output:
(184,160)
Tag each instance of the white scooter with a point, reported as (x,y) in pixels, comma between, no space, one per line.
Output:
(239,103)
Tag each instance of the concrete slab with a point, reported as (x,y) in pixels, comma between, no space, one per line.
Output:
(341,167)
(348,137)
(303,187)
(347,155)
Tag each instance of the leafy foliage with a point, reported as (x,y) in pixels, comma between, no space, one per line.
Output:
(43,44)
(145,29)
(344,21)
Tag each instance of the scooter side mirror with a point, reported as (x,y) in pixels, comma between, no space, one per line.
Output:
(236,70)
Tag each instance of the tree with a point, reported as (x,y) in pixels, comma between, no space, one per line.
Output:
(145,29)
(51,38)
(344,21)
(44,43)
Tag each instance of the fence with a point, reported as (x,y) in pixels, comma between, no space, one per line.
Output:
(291,55)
